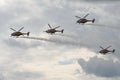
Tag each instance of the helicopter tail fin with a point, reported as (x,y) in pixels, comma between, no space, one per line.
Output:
(28,33)
(93,20)
(62,30)
(113,51)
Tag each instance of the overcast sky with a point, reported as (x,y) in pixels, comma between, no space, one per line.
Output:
(71,56)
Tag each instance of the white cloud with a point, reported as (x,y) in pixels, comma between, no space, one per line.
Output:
(100,67)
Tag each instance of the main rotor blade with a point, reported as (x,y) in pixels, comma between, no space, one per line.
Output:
(101,47)
(49,25)
(108,47)
(56,27)
(20,29)
(85,15)
(77,17)
(12,29)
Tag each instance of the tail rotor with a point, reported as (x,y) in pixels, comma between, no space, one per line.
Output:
(28,33)
(113,51)
(62,30)
(93,20)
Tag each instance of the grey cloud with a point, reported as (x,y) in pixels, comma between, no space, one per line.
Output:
(20,43)
(67,62)
(113,10)
(2,77)
(26,75)
(18,75)
(100,0)
(14,43)
(100,67)
(96,0)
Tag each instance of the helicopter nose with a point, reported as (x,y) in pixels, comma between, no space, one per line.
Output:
(47,31)
(100,51)
(11,34)
(78,21)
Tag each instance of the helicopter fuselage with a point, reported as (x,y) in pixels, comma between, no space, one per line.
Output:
(104,51)
(82,20)
(51,31)
(16,34)
(19,34)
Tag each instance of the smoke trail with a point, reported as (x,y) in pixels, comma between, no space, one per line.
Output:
(36,38)
(56,41)
(67,35)
(100,25)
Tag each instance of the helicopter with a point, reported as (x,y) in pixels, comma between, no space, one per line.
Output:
(53,30)
(18,33)
(105,50)
(84,20)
